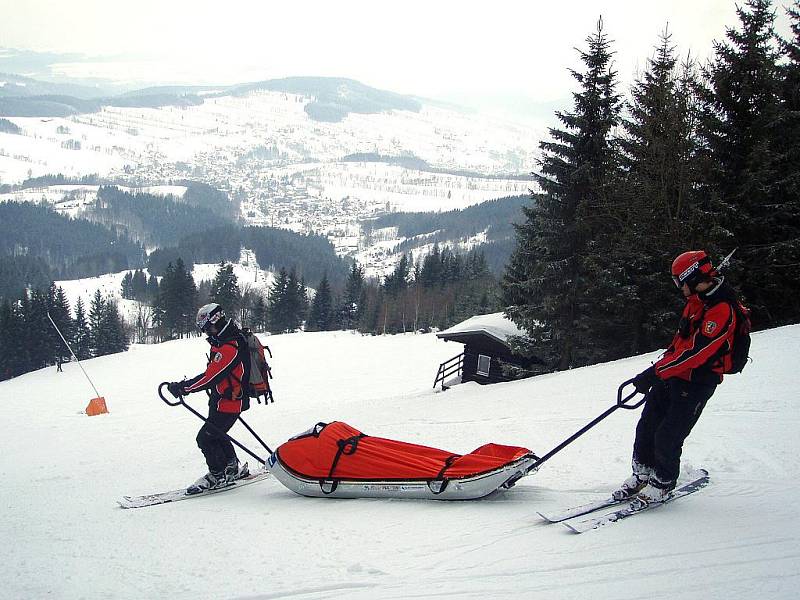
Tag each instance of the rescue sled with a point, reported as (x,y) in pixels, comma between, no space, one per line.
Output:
(335,460)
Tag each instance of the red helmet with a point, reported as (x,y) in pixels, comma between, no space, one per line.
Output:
(691,268)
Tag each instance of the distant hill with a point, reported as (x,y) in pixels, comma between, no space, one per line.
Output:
(18,85)
(495,218)
(333,98)
(312,256)
(48,244)
(418,164)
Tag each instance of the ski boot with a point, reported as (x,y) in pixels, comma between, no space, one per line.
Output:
(655,491)
(233,471)
(633,484)
(209,481)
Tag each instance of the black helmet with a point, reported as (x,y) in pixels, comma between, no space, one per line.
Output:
(210,314)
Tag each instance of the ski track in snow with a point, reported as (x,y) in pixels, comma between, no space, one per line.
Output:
(63,472)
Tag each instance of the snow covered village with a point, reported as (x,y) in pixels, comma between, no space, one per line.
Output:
(337,301)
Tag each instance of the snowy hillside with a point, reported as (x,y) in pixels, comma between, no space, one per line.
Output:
(282,168)
(248,274)
(265,144)
(62,472)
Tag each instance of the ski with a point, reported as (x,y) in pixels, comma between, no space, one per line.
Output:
(697,480)
(583,509)
(178,495)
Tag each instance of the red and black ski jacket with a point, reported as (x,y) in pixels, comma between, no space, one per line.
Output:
(227,368)
(700,350)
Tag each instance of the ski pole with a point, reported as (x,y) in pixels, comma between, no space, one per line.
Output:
(202,418)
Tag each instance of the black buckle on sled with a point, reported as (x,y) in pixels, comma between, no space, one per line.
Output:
(437,486)
(328,486)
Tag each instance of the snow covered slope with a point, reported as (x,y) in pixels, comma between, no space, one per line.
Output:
(64,536)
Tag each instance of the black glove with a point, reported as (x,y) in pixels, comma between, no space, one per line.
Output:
(645,380)
(176,389)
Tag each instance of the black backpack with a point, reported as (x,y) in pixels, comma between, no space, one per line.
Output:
(741,339)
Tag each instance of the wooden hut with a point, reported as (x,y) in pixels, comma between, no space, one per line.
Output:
(486,350)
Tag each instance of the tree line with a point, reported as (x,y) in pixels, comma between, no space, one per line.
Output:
(31,342)
(442,288)
(698,156)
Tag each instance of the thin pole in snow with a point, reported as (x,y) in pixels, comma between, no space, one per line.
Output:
(61,335)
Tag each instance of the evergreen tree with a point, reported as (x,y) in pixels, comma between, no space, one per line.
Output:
(278,314)
(113,328)
(431,272)
(304,303)
(187,295)
(225,289)
(296,301)
(41,349)
(81,334)
(259,314)
(550,284)
(659,214)
(789,142)
(60,313)
(177,302)
(5,320)
(152,288)
(397,281)
(320,317)
(139,286)
(743,125)
(97,339)
(354,298)
(126,290)
(12,328)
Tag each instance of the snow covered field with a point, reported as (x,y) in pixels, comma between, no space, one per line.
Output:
(62,472)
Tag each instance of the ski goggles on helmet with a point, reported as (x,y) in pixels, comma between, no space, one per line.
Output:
(697,271)
(206,318)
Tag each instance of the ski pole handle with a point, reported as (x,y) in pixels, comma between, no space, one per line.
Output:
(622,402)
(178,402)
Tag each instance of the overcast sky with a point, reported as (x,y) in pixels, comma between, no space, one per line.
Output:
(448,49)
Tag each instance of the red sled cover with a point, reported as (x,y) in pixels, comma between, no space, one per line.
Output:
(338,451)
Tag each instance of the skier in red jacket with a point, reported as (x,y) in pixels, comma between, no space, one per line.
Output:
(678,386)
(227,368)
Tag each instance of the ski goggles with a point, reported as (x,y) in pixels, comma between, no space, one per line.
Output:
(692,274)
(205,319)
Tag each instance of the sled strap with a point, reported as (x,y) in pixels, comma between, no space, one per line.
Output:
(439,484)
(347,447)
(447,464)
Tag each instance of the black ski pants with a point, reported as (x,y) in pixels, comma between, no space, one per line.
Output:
(670,412)
(216,447)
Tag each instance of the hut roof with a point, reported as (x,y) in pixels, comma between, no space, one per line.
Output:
(494,325)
